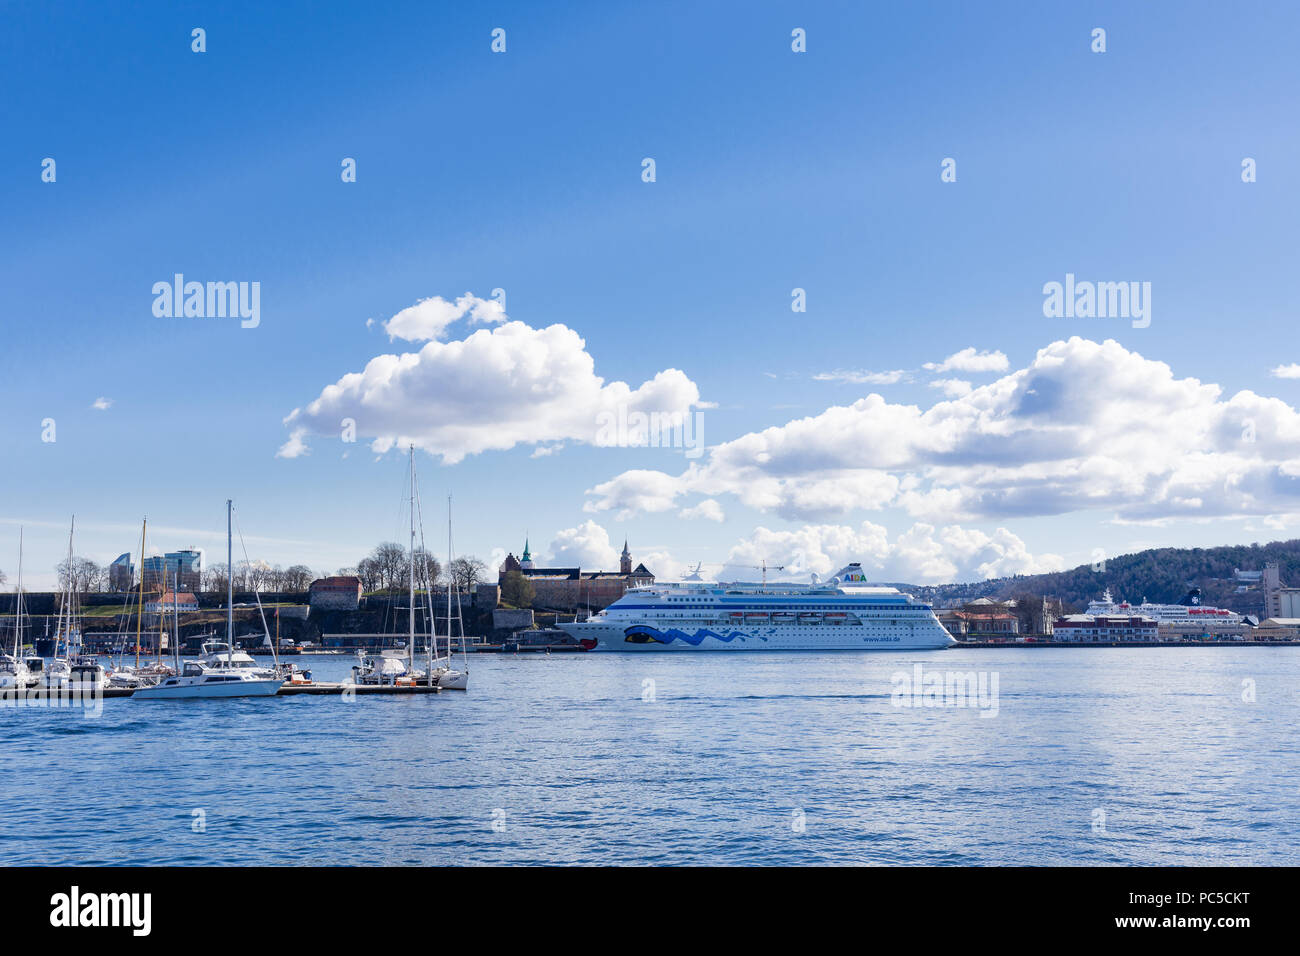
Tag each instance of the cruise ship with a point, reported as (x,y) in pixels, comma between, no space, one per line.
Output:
(844,614)
(1188,611)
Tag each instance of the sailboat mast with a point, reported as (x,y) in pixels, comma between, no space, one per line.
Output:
(139,604)
(450,576)
(18,607)
(230,586)
(460,622)
(410,637)
(67,614)
(176,620)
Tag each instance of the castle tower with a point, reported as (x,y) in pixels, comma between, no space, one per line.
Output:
(526,563)
(625,560)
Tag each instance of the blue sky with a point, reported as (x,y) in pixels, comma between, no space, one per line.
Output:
(522,171)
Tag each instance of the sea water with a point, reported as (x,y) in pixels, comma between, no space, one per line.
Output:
(1088,756)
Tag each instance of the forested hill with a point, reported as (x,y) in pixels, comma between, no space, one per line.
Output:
(1161,575)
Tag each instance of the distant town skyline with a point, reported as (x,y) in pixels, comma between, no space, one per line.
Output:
(953,294)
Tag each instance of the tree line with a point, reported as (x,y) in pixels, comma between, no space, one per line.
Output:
(388,568)
(385,568)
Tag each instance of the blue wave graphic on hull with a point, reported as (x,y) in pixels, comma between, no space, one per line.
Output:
(642,634)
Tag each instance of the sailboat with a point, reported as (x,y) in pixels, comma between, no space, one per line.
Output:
(446,676)
(74,670)
(140,675)
(219,671)
(388,667)
(14,674)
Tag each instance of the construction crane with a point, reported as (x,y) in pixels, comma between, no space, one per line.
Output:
(764,567)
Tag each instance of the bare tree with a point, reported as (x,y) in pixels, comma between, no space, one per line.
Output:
(390,558)
(467,572)
(80,574)
(296,578)
(250,575)
(427,568)
(368,572)
(214,580)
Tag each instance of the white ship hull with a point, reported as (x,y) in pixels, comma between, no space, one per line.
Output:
(908,636)
(842,615)
(187,688)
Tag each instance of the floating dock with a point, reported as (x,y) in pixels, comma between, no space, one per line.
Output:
(318,688)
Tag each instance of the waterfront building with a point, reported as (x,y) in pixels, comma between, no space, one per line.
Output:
(572,589)
(340,592)
(981,620)
(121,573)
(181,568)
(1106,629)
(182,602)
(1279,601)
(1277,629)
(1205,630)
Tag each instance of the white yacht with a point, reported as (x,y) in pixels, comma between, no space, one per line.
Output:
(220,656)
(843,614)
(13,673)
(220,670)
(387,667)
(196,680)
(78,672)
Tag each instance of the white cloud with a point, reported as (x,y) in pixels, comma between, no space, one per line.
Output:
(952,387)
(1085,426)
(498,388)
(1286,371)
(587,546)
(102,404)
(920,555)
(860,377)
(429,318)
(708,508)
(295,446)
(969,360)
(665,567)
(638,490)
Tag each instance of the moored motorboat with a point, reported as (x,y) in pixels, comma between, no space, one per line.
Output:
(381,669)
(13,672)
(220,671)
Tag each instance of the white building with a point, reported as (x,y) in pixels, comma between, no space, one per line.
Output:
(1105,629)
(181,603)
